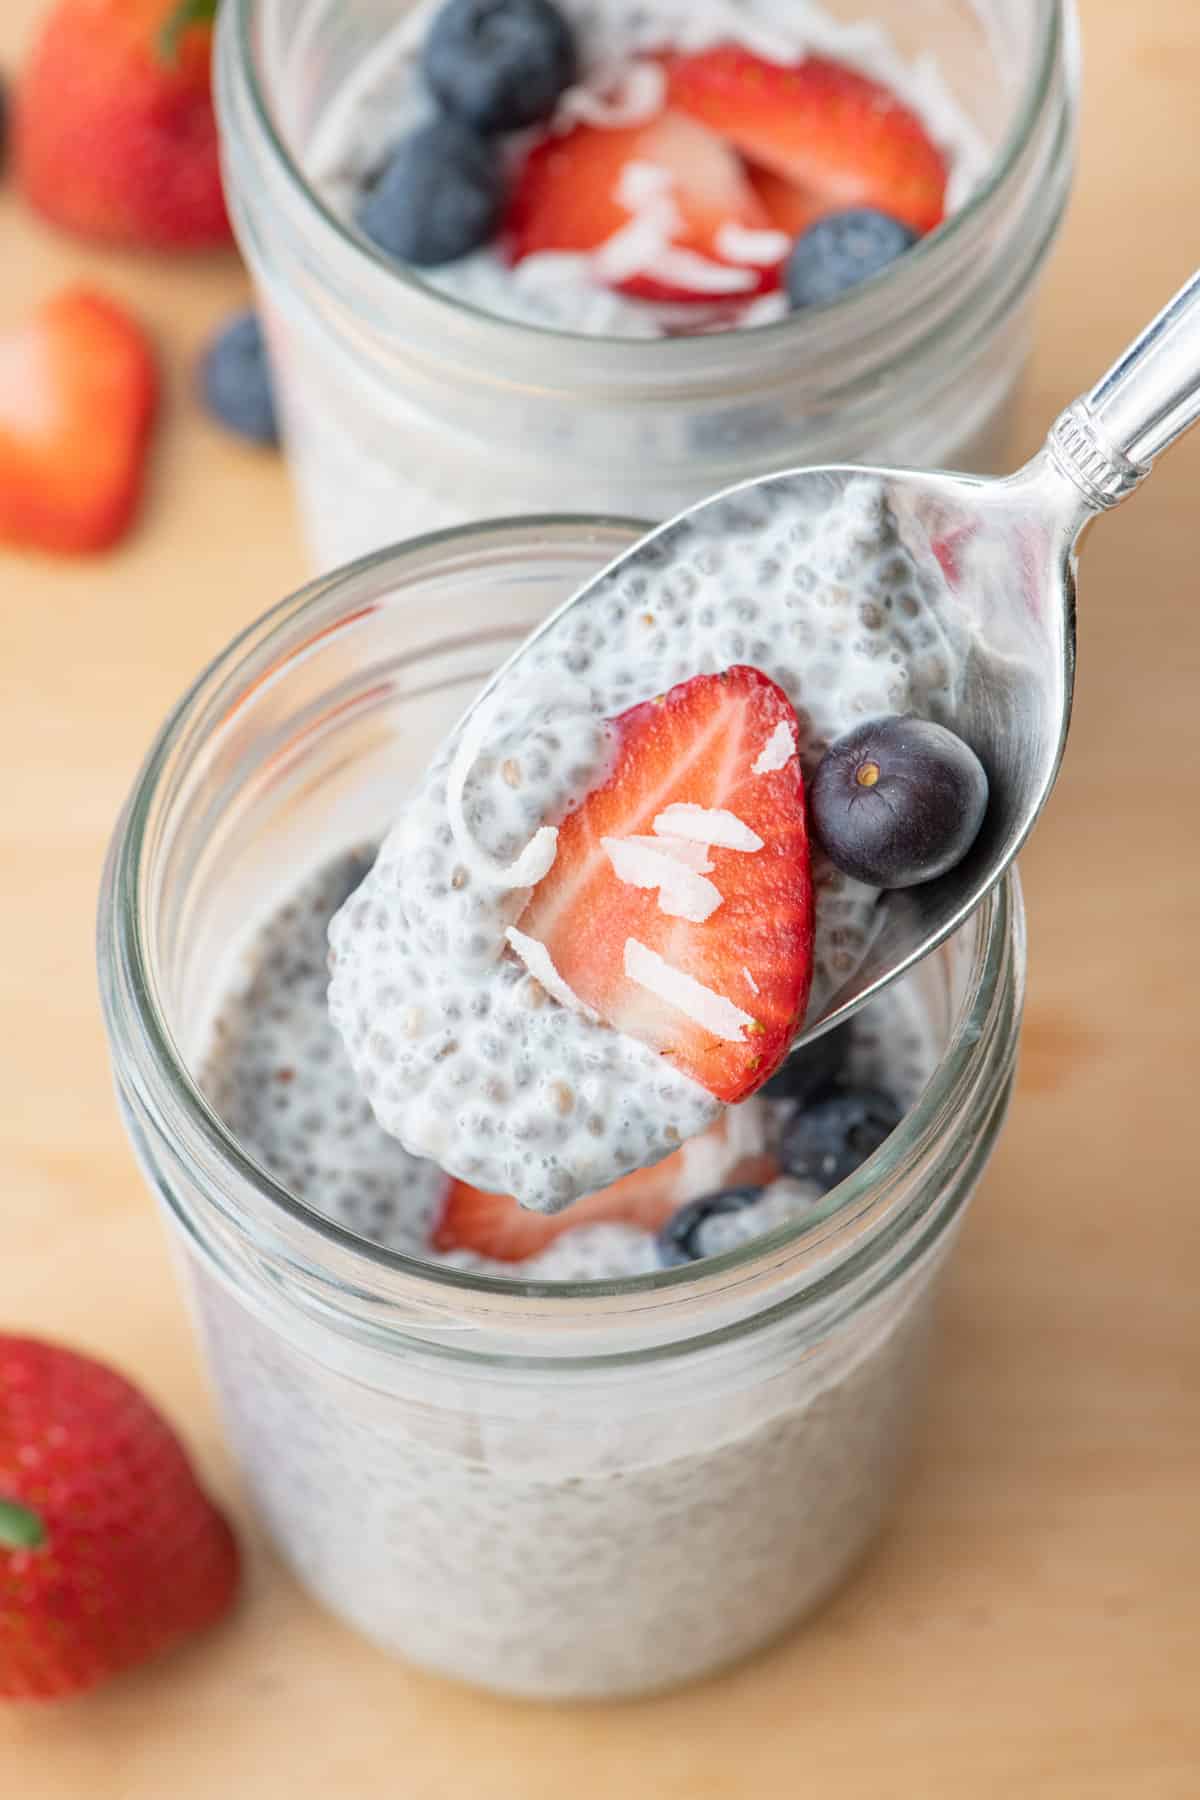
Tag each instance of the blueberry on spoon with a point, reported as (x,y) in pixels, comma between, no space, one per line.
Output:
(898,801)
(500,64)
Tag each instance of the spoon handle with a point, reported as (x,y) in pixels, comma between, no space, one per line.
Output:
(1107,440)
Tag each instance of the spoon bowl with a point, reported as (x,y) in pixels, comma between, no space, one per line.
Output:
(999,557)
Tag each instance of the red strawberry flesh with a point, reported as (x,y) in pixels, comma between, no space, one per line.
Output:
(790,208)
(721,996)
(840,138)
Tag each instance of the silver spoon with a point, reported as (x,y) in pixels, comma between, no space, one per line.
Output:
(1007,564)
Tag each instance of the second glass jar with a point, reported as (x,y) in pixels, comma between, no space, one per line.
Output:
(405,410)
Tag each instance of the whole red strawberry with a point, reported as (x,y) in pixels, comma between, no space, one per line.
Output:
(109,1550)
(114,136)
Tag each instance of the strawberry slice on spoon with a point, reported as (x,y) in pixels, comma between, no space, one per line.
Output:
(679,907)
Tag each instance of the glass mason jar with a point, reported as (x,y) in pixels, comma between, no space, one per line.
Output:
(548,1489)
(405,410)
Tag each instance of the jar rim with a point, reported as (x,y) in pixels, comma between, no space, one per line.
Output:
(869,1206)
(660,355)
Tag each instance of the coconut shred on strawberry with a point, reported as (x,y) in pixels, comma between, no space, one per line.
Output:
(605,166)
(598,919)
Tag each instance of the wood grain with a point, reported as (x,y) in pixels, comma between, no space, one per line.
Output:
(1031,1626)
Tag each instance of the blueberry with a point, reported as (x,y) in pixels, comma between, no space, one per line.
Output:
(438,198)
(235,380)
(828,1139)
(812,1068)
(500,64)
(898,801)
(841,250)
(679,1239)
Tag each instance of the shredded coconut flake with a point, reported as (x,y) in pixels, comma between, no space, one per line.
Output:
(536,859)
(538,960)
(698,274)
(707,825)
(682,991)
(778,750)
(615,97)
(682,893)
(684,850)
(646,245)
(640,184)
(742,244)
(750,981)
(768,309)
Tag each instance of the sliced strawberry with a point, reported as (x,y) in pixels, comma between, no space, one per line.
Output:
(713,968)
(494,1225)
(791,209)
(78,390)
(571,194)
(842,138)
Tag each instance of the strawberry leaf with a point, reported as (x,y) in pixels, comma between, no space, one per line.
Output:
(186,14)
(20,1528)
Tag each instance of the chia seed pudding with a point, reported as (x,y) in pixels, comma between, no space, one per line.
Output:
(514,1554)
(278,1075)
(445,1027)
(586,1552)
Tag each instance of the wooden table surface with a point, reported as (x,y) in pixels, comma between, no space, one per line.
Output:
(1031,1626)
